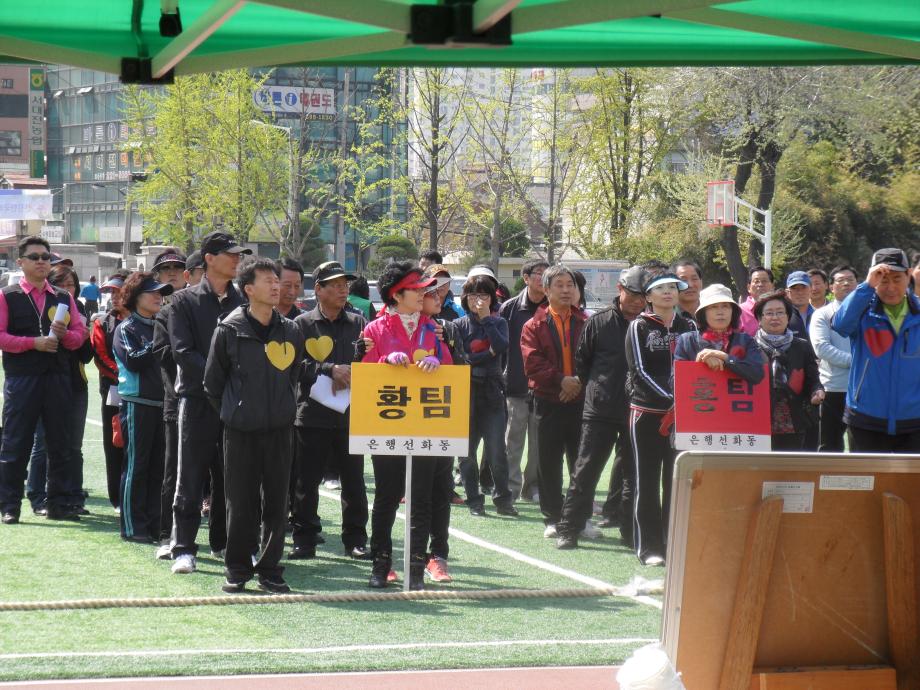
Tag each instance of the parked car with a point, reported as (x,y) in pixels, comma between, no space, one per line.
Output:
(376,300)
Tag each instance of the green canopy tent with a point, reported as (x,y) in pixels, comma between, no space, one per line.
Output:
(151,41)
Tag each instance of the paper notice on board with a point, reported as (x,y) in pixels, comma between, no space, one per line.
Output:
(847,482)
(798,497)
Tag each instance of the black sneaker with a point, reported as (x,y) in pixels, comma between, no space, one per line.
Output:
(566,543)
(9,518)
(40,511)
(380,571)
(302,553)
(608,523)
(67,513)
(359,553)
(508,510)
(231,587)
(273,585)
(477,511)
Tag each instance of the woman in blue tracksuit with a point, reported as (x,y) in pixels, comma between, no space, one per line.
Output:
(881,317)
(485,338)
(141,389)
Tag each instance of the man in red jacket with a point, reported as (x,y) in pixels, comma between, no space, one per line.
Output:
(548,343)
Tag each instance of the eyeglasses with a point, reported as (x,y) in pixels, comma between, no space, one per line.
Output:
(774,314)
(478,295)
(44,256)
(844,281)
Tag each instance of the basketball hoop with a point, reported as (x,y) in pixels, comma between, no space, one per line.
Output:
(721,210)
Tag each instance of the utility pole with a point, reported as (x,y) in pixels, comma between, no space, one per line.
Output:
(340,184)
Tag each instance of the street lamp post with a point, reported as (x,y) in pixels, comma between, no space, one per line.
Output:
(291,182)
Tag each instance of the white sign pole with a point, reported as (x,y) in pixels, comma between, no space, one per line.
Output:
(408,534)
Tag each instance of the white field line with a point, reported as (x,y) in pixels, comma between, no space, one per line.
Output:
(93,422)
(523,558)
(341,649)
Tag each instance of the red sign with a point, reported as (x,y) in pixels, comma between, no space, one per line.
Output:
(719,410)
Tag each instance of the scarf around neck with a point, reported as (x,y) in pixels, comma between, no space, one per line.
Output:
(773,343)
(720,340)
(409,321)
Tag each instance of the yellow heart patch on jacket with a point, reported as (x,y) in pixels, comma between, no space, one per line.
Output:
(52,311)
(319,348)
(420,354)
(280,354)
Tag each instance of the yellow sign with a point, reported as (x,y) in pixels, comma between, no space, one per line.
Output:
(404,411)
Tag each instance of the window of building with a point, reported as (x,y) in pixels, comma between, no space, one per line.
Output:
(6,83)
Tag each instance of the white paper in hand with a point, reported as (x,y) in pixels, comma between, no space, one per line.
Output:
(60,313)
(322,393)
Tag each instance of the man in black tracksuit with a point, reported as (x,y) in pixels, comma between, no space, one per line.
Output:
(600,364)
(169,266)
(251,376)
(193,316)
(330,333)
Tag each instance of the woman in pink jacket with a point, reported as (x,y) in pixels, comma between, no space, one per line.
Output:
(402,336)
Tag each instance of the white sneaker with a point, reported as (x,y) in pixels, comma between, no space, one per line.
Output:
(184,564)
(219,555)
(117,511)
(550,532)
(164,553)
(332,485)
(653,560)
(591,531)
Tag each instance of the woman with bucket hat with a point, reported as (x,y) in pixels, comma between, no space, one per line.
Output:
(719,343)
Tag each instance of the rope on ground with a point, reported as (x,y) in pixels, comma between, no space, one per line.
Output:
(343,598)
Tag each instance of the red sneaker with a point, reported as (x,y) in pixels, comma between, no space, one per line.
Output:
(391,576)
(437,570)
(457,500)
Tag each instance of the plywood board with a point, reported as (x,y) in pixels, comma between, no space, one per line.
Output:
(826,602)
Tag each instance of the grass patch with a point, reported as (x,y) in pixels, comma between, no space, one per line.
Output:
(44,560)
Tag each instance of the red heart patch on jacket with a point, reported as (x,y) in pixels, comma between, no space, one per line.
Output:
(796,379)
(479,345)
(878,340)
(738,352)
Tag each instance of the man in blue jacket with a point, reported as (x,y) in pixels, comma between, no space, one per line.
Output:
(882,320)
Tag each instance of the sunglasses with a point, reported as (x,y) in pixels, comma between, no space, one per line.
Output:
(45,256)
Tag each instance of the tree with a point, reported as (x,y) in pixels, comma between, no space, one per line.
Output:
(391,247)
(371,170)
(436,131)
(631,119)
(497,160)
(210,165)
(514,242)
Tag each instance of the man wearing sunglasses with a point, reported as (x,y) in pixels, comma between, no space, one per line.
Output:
(36,366)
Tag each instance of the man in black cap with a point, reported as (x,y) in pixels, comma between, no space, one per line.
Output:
(600,365)
(881,317)
(168,267)
(194,268)
(330,332)
(193,316)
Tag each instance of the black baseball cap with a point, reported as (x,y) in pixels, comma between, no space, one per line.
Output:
(330,270)
(164,258)
(892,257)
(194,260)
(633,279)
(58,259)
(220,242)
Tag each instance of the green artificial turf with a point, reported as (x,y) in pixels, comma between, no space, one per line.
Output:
(42,560)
